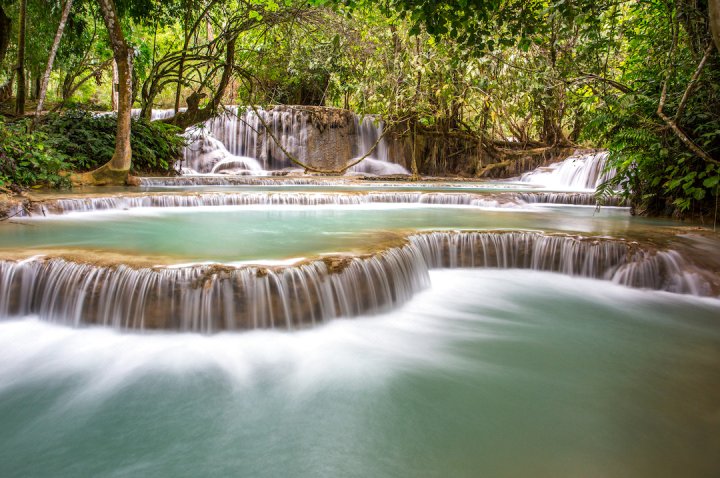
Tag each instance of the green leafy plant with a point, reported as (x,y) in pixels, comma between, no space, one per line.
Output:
(26,160)
(87,140)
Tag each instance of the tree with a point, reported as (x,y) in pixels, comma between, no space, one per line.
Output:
(5,24)
(116,170)
(714,18)
(51,58)
(20,67)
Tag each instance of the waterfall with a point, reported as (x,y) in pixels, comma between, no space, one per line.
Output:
(157,114)
(89,204)
(576,199)
(377,167)
(617,261)
(238,181)
(241,132)
(369,130)
(326,143)
(120,202)
(206,154)
(209,298)
(579,171)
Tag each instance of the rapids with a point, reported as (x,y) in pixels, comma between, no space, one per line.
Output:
(580,171)
(499,373)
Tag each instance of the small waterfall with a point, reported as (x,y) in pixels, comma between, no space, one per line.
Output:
(497,200)
(206,154)
(161,114)
(242,132)
(616,261)
(377,167)
(89,204)
(369,131)
(157,114)
(575,199)
(209,298)
(579,171)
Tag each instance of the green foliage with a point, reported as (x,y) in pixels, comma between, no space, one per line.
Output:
(87,141)
(656,170)
(79,141)
(26,160)
(536,72)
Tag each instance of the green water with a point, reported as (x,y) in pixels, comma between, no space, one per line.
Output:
(488,373)
(277,232)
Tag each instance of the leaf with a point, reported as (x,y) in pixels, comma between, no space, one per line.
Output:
(711,182)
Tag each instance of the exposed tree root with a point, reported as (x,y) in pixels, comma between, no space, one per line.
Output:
(102,176)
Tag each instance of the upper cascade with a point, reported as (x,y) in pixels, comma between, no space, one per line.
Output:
(254,141)
(580,171)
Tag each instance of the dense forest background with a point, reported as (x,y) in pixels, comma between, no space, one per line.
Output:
(641,78)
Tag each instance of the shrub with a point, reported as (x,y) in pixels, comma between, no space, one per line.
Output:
(87,140)
(26,159)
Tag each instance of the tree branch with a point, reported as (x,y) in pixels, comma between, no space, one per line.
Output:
(663,98)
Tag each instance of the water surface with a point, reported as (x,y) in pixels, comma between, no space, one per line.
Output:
(488,373)
(237,233)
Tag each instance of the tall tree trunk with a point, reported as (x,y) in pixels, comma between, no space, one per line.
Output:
(116,170)
(20,96)
(51,59)
(36,87)
(714,18)
(5,25)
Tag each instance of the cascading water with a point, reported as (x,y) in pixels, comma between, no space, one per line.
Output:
(575,198)
(580,171)
(210,298)
(206,154)
(369,132)
(518,200)
(216,297)
(243,132)
(157,114)
(90,204)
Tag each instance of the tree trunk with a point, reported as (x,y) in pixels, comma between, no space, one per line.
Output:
(5,26)
(114,91)
(36,87)
(714,18)
(51,58)
(20,96)
(116,170)
(181,67)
